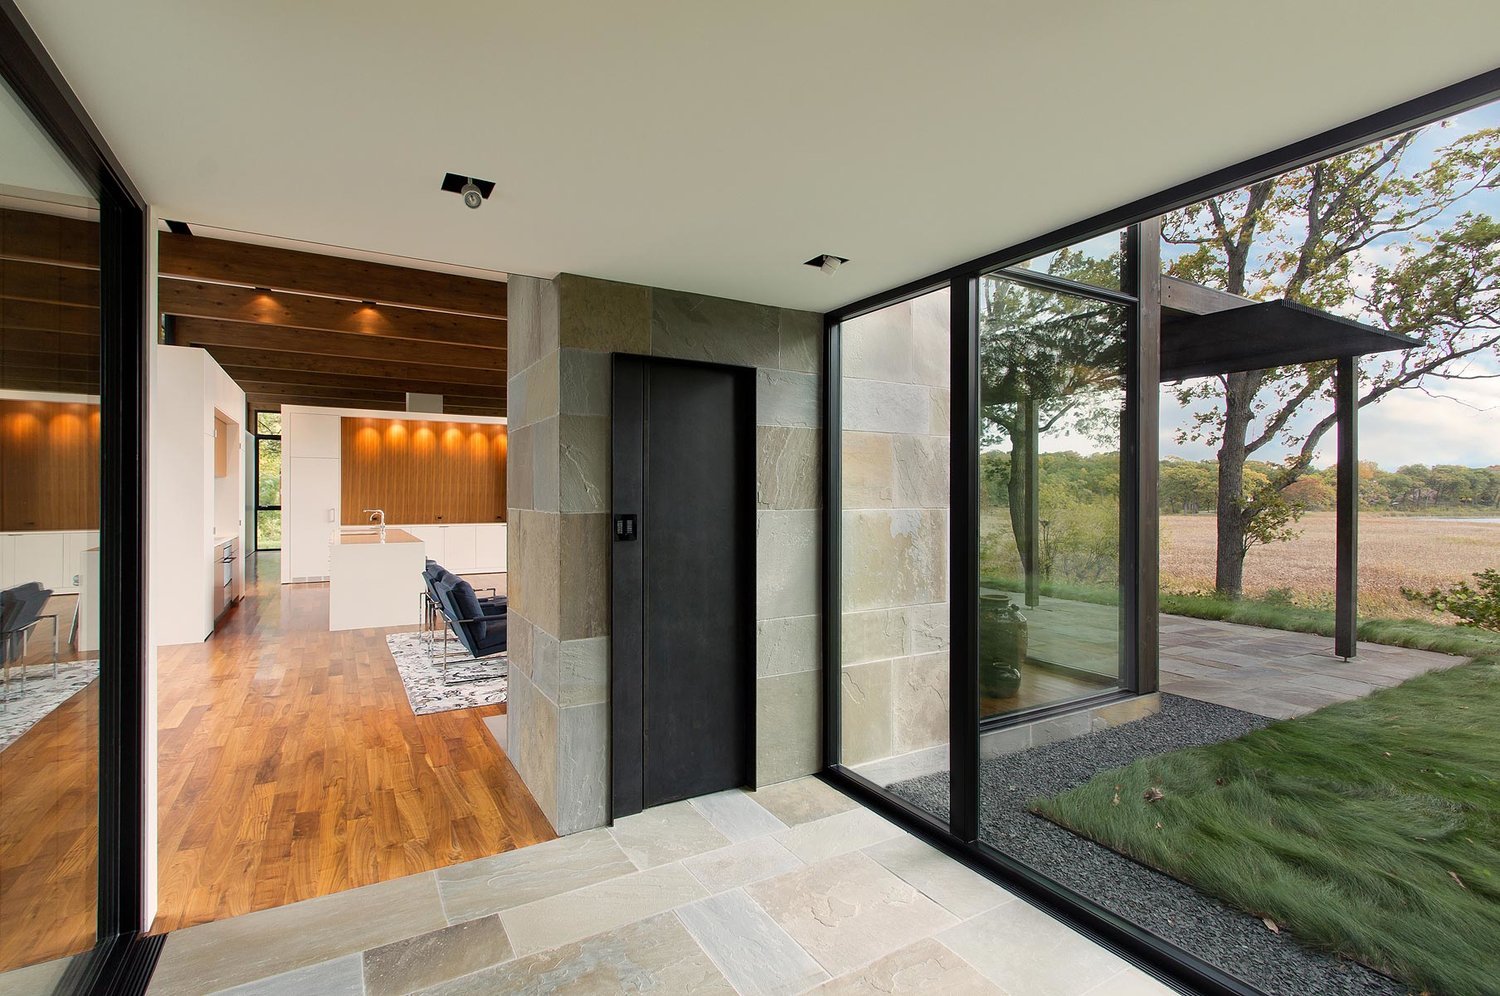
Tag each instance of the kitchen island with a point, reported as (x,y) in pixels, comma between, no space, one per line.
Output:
(374,579)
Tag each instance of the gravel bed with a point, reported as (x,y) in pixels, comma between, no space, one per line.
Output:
(1236,942)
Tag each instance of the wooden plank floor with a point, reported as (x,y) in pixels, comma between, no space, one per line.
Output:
(49,825)
(292,765)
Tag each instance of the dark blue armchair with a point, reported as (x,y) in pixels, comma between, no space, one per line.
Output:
(479,627)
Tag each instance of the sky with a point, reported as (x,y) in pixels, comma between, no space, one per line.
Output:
(1453,422)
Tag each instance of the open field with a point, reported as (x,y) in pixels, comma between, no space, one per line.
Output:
(1393,551)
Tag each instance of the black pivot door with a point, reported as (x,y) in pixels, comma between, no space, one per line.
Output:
(683,580)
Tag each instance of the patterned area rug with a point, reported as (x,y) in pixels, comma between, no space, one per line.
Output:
(423,677)
(43,694)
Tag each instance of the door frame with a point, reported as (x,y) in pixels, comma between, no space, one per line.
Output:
(122,957)
(623,747)
(254,528)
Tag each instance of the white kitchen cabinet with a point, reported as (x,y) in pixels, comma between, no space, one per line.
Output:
(489,547)
(463,547)
(39,557)
(311,434)
(432,539)
(53,557)
(310,516)
(73,546)
(458,548)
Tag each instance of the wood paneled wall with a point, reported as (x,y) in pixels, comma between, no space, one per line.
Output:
(49,465)
(423,471)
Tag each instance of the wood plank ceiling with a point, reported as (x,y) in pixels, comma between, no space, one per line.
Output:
(303,328)
(49,303)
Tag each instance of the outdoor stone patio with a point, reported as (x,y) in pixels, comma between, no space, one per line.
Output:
(1274,673)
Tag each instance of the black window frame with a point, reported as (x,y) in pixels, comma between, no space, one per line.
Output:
(122,957)
(959,837)
(259,508)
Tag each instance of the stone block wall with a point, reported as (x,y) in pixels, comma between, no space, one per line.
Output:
(895,469)
(562,333)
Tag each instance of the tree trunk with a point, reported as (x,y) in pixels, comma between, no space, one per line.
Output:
(1021,457)
(1229,565)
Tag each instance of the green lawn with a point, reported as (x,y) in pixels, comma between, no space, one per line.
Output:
(1370,828)
(1416,634)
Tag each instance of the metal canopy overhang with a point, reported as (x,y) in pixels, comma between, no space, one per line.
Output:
(1264,335)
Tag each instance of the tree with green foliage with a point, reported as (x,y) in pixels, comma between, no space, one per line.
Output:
(1047,360)
(1476,605)
(1302,236)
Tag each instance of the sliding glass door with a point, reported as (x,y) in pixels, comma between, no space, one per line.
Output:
(72,533)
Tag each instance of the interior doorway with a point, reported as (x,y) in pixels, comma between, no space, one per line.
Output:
(683,580)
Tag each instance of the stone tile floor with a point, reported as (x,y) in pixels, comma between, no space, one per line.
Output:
(794,888)
(1275,673)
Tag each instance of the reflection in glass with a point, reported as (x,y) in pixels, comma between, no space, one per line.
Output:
(49,549)
(894,451)
(1096,261)
(1051,397)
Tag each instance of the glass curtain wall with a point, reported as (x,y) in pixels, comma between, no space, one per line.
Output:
(1052,438)
(894,455)
(50,582)
(1051,407)
(1032,568)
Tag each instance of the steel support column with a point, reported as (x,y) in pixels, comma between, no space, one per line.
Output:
(1346,411)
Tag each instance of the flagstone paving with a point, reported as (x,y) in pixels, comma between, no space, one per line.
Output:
(1274,673)
(720,894)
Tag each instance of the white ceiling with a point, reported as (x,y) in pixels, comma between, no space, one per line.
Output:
(713,146)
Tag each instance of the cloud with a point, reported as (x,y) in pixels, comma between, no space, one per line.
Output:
(1403,427)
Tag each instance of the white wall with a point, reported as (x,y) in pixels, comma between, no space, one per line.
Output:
(189,387)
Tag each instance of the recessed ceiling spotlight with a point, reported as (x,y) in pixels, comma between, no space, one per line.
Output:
(827,262)
(474,190)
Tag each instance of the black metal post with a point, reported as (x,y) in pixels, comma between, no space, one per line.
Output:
(963,564)
(833,641)
(1346,585)
(1139,512)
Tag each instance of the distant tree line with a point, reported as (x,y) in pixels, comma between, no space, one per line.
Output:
(1189,486)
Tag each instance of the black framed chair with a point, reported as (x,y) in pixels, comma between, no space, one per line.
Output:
(22,612)
(429,606)
(479,628)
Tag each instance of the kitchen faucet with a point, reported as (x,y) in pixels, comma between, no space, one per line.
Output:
(377,515)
